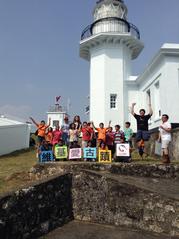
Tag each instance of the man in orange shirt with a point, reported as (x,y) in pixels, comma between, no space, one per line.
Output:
(101,132)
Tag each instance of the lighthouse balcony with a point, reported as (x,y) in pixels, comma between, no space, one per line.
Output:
(110,25)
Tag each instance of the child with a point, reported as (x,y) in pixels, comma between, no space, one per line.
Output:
(103,146)
(41,129)
(61,144)
(86,134)
(110,140)
(101,132)
(56,135)
(128,133)
(89,145)
(45,146)
(118,135)
(49,135)
(73,134)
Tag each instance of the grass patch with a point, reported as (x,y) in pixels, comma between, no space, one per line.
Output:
(14,168)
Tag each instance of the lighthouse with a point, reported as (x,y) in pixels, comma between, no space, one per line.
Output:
(110,43)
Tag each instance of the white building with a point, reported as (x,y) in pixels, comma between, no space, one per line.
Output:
(110,43)
(57,115)
(14,135)
(159,83)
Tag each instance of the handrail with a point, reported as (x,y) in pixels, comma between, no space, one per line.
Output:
(88,31)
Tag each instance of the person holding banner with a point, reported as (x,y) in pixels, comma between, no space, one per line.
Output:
(45,147)
(103,146)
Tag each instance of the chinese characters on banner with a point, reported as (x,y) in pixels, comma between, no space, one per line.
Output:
(122,150)
(75,153)
(61,152)
(46,156)
(105,156)
(89,153)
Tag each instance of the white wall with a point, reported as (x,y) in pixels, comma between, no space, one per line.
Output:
(55,116)
(170,89)
(166,72)
(109,67)
(14,138)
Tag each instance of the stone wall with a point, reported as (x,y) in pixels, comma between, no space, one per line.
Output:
(36,210)
(103,199)
(103,193)
(174,146)
(42,171)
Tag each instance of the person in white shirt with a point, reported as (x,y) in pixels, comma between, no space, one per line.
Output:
(165,137)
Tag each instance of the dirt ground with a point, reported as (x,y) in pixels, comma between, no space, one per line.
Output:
(79,230)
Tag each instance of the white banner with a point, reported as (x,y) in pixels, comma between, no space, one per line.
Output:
(158,148)
(122,150)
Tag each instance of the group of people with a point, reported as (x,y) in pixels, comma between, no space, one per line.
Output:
(86,134)
(77,134)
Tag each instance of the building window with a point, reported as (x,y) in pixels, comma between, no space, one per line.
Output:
(113,101)
(55,123)
(157,109)
(148,97)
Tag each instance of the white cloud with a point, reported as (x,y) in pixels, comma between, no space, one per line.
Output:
(18,112)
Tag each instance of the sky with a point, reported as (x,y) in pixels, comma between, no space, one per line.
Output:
(39,50)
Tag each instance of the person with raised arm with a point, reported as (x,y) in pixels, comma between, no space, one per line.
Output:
(142,123)
(41,129)
(101,132)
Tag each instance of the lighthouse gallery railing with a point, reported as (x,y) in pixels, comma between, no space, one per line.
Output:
(110,24)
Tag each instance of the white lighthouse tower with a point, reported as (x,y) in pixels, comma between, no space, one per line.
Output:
(109,44)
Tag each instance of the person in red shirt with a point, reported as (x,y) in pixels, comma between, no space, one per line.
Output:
(87,134)
(110,140)
(56,135)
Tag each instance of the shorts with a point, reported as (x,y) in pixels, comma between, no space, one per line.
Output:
(165,144)
(65,138)
(130,143)
(141,134)
(40,139)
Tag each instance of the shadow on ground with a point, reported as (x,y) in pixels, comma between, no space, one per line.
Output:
(81,230)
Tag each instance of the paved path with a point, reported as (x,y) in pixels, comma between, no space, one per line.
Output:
(81,230)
